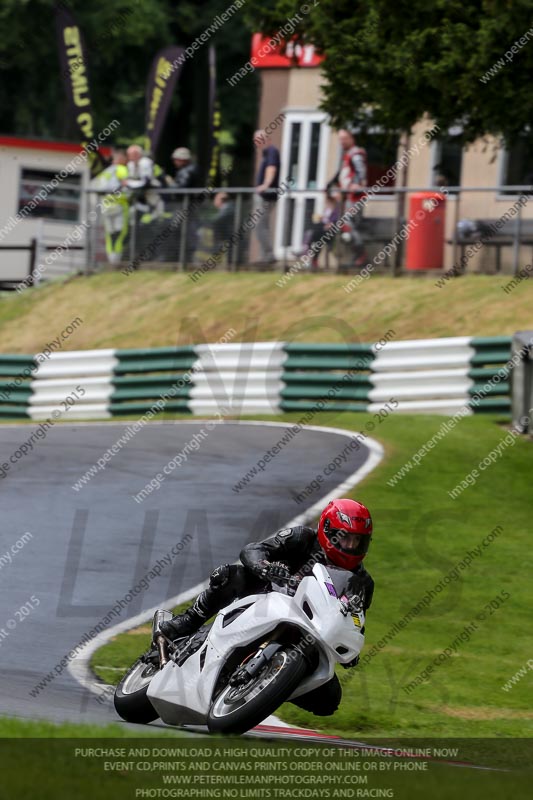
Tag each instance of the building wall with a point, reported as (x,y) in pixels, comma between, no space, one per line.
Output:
(299,89)
(481,167)
(14,265)
(274,99)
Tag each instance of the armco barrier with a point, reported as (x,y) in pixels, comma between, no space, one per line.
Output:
(424,375)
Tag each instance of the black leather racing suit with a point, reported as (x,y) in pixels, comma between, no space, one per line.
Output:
(299,549)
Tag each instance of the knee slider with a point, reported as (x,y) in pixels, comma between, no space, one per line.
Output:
(219,577)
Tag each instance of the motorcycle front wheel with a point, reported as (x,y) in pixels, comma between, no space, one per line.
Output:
(236,709)
(131,702)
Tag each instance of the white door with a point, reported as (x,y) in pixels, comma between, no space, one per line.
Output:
(303,164)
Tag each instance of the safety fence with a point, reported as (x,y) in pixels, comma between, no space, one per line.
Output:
(204,229)
(420,376)
(471,230)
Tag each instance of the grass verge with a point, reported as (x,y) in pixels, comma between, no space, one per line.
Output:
(149,309)
(11,728)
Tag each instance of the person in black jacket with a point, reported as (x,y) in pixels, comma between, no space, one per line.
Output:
(187,177)
(341,540)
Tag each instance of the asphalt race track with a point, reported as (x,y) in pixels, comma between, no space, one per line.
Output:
(90,547)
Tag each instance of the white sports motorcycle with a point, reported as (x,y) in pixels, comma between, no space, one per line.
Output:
(259,652)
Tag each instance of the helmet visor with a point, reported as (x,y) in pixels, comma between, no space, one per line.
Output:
(355,544)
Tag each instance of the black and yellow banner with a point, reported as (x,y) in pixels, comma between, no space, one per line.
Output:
(164,73)
(73,60)
(214,122)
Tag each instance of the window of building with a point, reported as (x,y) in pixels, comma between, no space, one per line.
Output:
(294,152)
(447,160)
(381,153)
(517,165)
(312,173)
(62,201)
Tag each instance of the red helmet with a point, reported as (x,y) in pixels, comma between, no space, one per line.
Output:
(344,532)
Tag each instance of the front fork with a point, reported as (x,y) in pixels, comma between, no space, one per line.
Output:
(158,639)
(253,666)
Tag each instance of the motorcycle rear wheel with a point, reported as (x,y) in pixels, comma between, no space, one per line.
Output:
(236,710)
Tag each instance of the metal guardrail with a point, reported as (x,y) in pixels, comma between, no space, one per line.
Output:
(193,242)
(35,246)
(31,248)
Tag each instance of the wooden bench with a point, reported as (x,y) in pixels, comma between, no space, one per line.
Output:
(500,238)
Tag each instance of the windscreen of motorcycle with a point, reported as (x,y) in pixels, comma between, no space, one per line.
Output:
(340,579)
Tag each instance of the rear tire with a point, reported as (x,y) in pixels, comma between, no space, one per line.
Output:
(269,690)
(131,702)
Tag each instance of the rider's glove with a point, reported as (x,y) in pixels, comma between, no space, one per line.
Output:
(355,604)
(353,663)
(352,605)
(274,569)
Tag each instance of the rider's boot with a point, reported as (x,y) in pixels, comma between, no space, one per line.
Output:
(187,623)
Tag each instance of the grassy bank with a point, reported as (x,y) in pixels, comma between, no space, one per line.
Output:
(421,534)
(150,309)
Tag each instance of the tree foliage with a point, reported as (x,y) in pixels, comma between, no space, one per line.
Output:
(122,37)
(408,58)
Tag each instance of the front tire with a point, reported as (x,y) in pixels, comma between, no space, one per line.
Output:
(236,710)
(131,702)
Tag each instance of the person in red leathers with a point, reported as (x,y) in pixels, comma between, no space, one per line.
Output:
(351,178)
(341,540)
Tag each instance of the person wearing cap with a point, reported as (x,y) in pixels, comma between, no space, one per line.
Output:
(187,176)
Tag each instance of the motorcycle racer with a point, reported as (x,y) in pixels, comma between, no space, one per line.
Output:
(341,540)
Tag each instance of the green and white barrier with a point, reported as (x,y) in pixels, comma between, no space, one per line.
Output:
(423,376)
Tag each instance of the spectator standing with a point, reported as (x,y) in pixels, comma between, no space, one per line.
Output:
(351,178)
(223,222)
(267,183)
(144,178)
(140,168)
(115,206)
(187,176)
